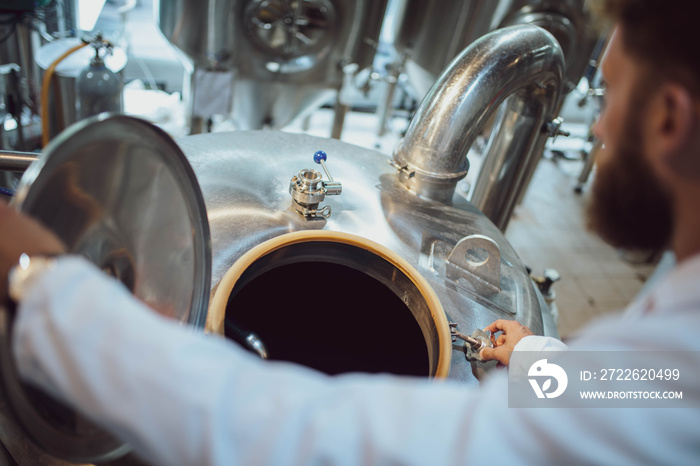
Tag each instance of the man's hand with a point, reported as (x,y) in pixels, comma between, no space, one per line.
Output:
(21,234)
(513,332)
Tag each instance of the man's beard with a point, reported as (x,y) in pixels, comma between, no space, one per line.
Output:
(629,207)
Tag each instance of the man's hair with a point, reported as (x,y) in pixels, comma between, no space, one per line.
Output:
(661,33)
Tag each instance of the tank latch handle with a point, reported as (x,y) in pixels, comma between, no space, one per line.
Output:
(308,189)
(473,344)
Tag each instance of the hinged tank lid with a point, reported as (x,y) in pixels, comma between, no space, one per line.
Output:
(118,191)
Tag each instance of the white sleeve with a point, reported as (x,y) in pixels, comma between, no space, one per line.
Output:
(538,343)
(181,399)
(518,366)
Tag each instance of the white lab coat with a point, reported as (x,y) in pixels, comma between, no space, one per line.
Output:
(188,399)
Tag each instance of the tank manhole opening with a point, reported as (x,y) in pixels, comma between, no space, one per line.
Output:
(337,308)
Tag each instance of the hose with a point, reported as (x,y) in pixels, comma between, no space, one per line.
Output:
(46,83)
(7,192)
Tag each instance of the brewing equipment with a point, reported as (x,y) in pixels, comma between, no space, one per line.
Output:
(107,187)
(520,67)
(18,80)
(99,89)
(62,108)
(287,57)
(570,23)
(389,274)
(431,33)
(428,40)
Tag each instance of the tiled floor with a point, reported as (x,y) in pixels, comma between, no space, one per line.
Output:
(548,230)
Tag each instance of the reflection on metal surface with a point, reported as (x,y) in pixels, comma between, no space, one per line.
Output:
(246,338)
(430,33)
(255,343)
(521,63)
(19,78)
(118,191)
(16,161)
(292,29)
(569,21)
(288,55)
(119,181)
(248,203)
(107,188)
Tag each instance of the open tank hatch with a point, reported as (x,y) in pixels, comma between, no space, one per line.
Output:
(334,302)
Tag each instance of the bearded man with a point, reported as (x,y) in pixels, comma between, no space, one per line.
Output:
(645,194)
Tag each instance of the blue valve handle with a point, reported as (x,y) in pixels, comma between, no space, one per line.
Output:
(320,157)
(6,191)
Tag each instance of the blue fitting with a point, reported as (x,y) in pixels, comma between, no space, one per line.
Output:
(6,191)
(319,156)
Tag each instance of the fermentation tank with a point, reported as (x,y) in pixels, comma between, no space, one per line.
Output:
(430,33)
(287,57)
(313,250)
(569,21)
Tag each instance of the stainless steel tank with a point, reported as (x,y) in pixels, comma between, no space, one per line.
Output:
(430,33)
(370,288)
(364,271)
(275,220)
(289,56)
(19,82)
(245,178)
(569,21)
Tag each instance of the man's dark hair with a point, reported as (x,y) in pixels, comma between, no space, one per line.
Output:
(663,34)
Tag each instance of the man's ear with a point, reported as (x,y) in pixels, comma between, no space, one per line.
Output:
(674,137)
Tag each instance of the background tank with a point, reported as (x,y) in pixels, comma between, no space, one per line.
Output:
(569,21)
(431,33)
(287,56)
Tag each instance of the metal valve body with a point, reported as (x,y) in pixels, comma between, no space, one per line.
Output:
(308,189)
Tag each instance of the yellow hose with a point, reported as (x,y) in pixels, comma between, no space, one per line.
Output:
(45,93)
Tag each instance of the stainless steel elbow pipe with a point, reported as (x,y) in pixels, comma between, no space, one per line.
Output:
(523,64)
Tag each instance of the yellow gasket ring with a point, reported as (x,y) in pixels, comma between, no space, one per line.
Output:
(217,307)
